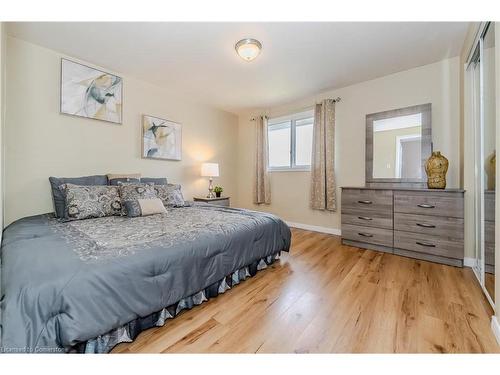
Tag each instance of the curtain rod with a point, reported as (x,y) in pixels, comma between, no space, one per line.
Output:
(254,118)
(336,100)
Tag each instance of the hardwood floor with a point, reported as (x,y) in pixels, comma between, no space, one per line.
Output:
(325,297)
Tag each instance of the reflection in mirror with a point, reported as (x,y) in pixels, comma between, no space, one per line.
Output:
(489,156)
(398,142)
(397,147)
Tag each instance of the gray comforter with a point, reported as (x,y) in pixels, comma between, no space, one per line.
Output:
(66,283)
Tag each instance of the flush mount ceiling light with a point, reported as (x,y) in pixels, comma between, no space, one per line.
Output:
(248,49)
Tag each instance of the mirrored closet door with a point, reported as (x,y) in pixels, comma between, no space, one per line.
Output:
(481,75)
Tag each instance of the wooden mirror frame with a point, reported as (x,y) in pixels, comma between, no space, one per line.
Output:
(426,143)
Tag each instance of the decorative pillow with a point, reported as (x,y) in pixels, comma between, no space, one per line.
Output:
(170,195)
(118,181)
(154,180)
(144,207)
(115,178)
(132,192)
(58,195)
(84,202)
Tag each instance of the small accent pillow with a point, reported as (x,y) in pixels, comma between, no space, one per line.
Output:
(170,195)
(84,202)
(114,179)
(132,192)
(144,207)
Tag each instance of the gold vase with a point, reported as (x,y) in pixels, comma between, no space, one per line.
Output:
(436,168)
(490,168)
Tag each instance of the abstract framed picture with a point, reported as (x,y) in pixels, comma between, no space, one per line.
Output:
(161,139)
(91,93)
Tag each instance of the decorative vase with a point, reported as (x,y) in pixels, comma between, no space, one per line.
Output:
(436,168)
(490,166)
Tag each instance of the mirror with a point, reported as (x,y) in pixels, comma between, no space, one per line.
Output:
(488,156)
(398,142)
(481,105)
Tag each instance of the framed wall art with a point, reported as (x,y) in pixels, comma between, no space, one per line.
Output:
(91,93)
(161,139)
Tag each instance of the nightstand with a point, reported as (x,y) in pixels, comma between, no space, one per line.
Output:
(222,201)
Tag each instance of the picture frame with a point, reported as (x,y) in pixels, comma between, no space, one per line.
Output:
(90,93)
(161,138)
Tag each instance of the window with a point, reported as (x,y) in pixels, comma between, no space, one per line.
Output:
(290,141)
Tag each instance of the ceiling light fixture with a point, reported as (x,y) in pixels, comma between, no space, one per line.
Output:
(248,48)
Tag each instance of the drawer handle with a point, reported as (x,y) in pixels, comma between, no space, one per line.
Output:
(426,244)
(365,202)
(426,205)
(365,234)
(426,225)
(364,218)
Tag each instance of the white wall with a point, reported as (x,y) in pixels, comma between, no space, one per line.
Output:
(40,142)
(437,83)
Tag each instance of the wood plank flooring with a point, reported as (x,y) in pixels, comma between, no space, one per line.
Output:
(325,297)
(489,283)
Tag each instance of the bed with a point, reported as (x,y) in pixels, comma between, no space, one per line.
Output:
(87,285)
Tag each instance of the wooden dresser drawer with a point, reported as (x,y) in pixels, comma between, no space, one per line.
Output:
(428,203)
(367,218)
(489,231)
(434,245)
(489,206)
(376,236)
(489,242)
(363,200)
(446,227)
(489,254)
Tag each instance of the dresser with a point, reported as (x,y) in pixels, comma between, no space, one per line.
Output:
(418,223)
(489,231)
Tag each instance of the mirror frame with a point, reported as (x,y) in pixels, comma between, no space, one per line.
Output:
(426,142)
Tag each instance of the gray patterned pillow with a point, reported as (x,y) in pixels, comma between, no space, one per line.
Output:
(58,194)
(132,192)
(84,202)
(170,195)
(154,180)
(119,181)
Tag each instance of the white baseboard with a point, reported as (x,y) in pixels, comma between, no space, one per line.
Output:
(495,327)
(469,262)
(315,228)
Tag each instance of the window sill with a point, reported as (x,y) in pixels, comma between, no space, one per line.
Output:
(289,170)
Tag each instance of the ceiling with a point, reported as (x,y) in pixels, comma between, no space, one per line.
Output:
(297,60)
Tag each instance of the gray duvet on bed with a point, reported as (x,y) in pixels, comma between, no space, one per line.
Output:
(66,283)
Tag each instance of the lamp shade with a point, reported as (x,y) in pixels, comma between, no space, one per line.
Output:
(210,170)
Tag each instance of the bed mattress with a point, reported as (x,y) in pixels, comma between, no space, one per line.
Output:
(66,283)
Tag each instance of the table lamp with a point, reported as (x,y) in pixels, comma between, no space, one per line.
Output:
(210,170)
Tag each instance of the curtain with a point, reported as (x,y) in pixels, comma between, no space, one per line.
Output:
(262,188)
(323,155)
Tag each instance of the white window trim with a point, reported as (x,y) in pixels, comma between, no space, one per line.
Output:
(293,119)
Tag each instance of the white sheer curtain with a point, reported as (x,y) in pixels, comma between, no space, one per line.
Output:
(323,158)
(262,188)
